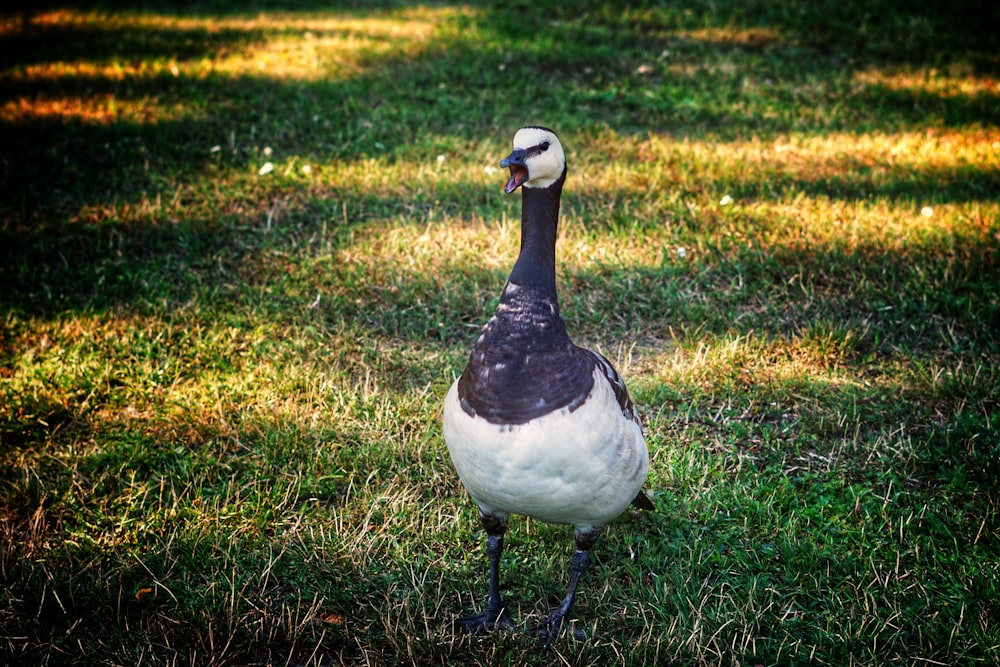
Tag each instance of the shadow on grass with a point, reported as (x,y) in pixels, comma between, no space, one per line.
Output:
(213,509)
(271,619)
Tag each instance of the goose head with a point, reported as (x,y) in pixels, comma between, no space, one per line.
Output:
(537,160)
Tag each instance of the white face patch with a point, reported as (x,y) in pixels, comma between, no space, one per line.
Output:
(544,167)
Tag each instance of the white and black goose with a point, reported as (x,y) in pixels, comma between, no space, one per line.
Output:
(536,425)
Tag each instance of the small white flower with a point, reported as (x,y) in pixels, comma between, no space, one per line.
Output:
(490,169)
(265,169)
(927,211)
(441,158)
(726,201)
(267,151)
(215,149)
(643,69)
(682,252)
(306,169)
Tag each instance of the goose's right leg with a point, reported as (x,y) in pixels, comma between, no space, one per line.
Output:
(495,615)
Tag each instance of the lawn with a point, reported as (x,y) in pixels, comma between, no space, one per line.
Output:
(245,249)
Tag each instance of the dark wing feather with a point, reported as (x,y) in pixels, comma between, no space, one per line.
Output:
(643,502)
(616,382)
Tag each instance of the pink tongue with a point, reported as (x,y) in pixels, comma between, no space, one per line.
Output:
(518,175)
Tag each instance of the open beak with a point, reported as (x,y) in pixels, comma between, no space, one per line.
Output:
(518,170)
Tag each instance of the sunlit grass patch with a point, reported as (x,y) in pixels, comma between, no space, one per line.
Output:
(90,110)
(734,36)
(281,45)
(328,50)
(930,81)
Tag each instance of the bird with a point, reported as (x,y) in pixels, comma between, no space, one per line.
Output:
(536,425)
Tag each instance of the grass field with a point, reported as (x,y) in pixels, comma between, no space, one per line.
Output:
(245,250)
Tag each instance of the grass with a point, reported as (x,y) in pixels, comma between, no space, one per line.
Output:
(244,251)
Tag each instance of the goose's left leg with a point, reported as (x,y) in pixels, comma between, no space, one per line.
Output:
(583,543)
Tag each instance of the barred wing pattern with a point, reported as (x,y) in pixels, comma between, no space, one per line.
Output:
(617,383)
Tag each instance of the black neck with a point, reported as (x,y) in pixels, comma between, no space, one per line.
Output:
(524,364)
(536,263)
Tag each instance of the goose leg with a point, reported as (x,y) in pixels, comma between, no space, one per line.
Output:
(495,615)
(583,543)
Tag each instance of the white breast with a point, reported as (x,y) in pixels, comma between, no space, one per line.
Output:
(582,467)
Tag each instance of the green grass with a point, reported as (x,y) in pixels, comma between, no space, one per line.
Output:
(220,389)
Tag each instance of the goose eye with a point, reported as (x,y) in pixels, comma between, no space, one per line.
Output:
(544,146)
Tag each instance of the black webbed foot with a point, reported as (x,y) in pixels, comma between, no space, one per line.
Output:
(488,619)
(548,631)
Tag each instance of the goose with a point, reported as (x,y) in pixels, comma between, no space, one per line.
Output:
(536,425)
